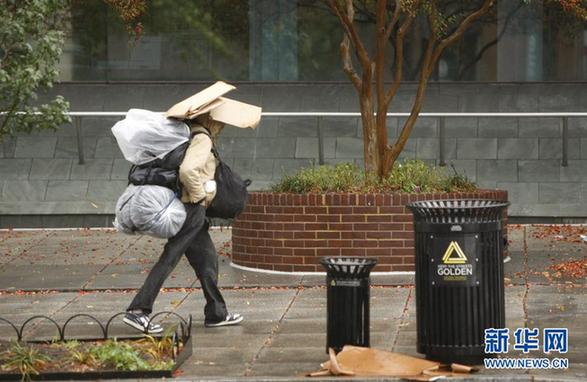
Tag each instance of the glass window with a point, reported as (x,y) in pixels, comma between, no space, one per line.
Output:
(299,40)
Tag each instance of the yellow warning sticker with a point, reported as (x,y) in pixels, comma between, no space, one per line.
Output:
(454,254)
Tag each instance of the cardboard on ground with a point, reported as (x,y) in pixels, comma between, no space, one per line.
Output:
(200,103)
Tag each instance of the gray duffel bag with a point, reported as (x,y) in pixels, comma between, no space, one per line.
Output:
(149,210)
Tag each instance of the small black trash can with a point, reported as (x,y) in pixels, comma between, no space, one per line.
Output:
(347,284)
(459,276)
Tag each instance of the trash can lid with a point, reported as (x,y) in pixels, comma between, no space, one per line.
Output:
(458,210)
(348,267)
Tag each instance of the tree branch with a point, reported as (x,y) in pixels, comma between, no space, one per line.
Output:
(347,63)
(394,19)
(458,32)
(399,56)
(482,51)
(346,18)
(393,152)
(381,117)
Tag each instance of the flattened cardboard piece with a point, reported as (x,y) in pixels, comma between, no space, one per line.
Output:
(360,361)
(197,104)
(236,113)
(205,109)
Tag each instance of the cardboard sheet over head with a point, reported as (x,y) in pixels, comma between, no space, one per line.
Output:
(221,109)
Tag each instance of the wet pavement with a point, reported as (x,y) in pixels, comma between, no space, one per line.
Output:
(60,273)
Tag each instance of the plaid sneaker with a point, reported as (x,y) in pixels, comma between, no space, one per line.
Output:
(231,319)
(140,321)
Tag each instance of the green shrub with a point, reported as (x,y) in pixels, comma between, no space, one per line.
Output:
(120,355)
(411,176)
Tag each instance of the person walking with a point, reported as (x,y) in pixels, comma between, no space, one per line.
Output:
(196,175)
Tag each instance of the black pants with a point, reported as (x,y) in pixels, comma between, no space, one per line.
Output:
(194,240)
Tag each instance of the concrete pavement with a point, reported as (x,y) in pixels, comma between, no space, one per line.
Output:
(64,272)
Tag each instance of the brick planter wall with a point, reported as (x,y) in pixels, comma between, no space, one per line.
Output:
(291,232)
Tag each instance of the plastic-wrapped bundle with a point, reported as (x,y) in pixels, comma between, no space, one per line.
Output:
(143,135)
(149,210)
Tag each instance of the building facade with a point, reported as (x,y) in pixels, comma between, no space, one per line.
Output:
(283,55)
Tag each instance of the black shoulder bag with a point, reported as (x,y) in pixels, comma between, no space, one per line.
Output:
(160,172)
(231,190)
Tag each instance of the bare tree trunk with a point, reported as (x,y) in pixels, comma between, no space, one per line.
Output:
(379,156)
(370,152)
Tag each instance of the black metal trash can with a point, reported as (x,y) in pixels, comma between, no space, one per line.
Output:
(459,276)
(347,284)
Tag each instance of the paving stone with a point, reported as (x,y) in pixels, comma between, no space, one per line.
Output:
(66,130)
(106,189)
(107,147)
(559,192)
(514,100)
(98,126)
(301,351)
(244,147)
(340,126)
(514,270)
(33,147)
(92,169)
(117,276)
(276,147)
(323,98)
(577,127)
(297,127)
(261,169)
(19,308)
(552,148)
(11,169)
(517,148)
(577,371)
(461,127)
(424,127)
(302,327)
(467,167)
(349,147)
(539,171)
(24,190)
(540,127)
(255,305)
(428,148)
(392,128)
(141,250)
(498,127)
(574,172)
(14,243)
(212,369)
(275,99)
(120,169)
(283,167)
(477,148)
(45,276)
(66,147)
(75,247)
(409,151)
(229,276)
(54,169)
(497,170)
(287,369)
(520,192)
(7,147)
(66,190)
(539,270)
(308,148)
(539,240)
